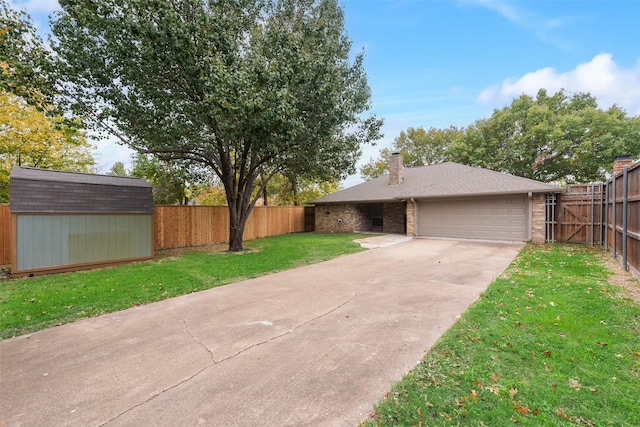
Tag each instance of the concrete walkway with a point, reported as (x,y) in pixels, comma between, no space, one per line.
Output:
(315,346)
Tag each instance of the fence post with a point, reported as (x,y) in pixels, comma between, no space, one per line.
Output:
(592,219)
(614,223)
(625,197)
(606,215)
(601,234)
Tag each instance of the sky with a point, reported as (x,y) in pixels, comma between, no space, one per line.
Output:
(441,63)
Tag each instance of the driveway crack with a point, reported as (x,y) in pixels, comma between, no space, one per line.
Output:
(186,329)
(292,330)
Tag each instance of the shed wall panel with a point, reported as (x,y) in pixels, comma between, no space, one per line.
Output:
(58,240)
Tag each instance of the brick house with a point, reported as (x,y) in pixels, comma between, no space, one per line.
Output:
(447,200)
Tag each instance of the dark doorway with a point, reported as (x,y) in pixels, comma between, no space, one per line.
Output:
(377,215)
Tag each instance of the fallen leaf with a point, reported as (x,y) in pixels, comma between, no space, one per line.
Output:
(547,353)
(474,396)
(522,410)
(562,414)
(492,389)
(603,344)
(574,383)
(513,391)
(494,377)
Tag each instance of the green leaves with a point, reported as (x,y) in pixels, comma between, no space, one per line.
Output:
(24,61)
(246,88)
(558,138)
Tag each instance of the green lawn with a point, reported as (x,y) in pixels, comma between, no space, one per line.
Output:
(32,304)
(549,343)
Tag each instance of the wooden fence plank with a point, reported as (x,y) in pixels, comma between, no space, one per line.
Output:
(181,226)
(578,223)
(5,235)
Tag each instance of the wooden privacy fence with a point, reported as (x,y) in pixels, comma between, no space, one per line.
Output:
(605,214)
(179,226)
(579,214)
(5,234)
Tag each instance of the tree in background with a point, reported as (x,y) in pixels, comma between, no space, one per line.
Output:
(118,169)
(247,89)
(29,138)
(32,131)
(558,138)
(418,148)
(25,63)
(288,190)
(170,181)
(211,195)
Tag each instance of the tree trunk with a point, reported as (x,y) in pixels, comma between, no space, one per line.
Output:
(238,215)
(235,239)
(236,229)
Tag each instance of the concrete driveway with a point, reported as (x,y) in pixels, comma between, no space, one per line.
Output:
(319,345)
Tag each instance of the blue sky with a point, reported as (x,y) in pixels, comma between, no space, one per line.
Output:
(437,63)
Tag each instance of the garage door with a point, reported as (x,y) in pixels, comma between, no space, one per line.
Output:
(486,219)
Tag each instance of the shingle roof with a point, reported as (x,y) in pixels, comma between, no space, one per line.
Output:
(441,180)
(48,191)
(76,177)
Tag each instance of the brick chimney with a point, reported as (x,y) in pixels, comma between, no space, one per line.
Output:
(620,162)
(395,169)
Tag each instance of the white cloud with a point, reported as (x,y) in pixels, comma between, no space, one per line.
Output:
(503,8)
(602,77)
(545,28)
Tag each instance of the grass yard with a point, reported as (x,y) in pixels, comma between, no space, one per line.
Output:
(549,343)
(32,304)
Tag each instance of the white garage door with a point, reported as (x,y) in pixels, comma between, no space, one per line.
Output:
(486,219)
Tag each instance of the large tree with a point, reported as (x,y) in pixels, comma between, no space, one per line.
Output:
(557,138)
(32,130)
(247,88)
(418,147)
(30,138)
(553,138)
(169,180)
(25,63)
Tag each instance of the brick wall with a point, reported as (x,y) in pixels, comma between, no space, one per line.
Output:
(538,219)
(411,218)
(349,218)
(342,218)
(394,218)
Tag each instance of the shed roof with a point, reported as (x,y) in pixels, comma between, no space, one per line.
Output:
(49,191)
(437,181)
